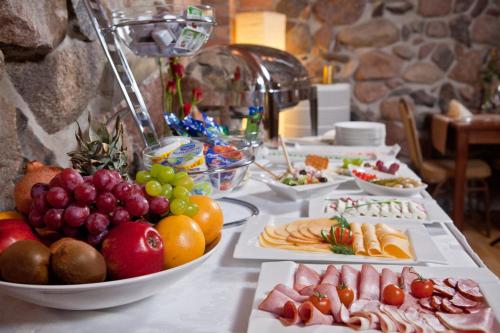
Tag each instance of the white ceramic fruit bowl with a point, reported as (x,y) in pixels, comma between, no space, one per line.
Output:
(376,189)
(108,294)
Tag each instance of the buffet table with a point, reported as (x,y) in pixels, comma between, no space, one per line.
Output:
(217,297)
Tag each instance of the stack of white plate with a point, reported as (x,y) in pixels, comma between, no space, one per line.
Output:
(359,133)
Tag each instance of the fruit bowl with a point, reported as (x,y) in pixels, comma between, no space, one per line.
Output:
(108,294)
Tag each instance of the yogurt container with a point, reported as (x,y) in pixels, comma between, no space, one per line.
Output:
(159,153)
(188,157)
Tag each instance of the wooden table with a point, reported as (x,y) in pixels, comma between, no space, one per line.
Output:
(480,129)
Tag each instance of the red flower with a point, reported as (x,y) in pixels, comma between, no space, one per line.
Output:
(237,74)
(178,69)
(187,109)
(197,94)
(171,88)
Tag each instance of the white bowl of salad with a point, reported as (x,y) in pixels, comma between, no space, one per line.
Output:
(303,183)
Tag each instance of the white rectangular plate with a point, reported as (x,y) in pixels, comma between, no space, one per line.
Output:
(272,273)
(318,207)
(423,247)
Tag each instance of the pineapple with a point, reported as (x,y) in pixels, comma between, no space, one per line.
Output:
(100,149)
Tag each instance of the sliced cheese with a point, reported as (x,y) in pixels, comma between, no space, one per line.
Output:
(358,244)
(271,232)
(372,245)
(382,230)
(396,247)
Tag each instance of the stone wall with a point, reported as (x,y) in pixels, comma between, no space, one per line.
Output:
(53,73)
(427,51)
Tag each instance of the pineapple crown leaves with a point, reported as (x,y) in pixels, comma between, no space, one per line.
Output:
(100,149)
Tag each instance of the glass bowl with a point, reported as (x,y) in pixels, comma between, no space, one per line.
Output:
(153,29)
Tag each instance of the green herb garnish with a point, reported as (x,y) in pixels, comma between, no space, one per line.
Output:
(334,246)
(342,221)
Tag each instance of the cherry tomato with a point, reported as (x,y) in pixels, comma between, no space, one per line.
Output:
(346,295)
(343,236)
(363,175)
(422,288)
(393,295)
(321,302)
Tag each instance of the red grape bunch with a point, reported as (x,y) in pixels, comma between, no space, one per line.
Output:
(86,207)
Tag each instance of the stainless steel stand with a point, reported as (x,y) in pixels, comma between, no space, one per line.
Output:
(118,62)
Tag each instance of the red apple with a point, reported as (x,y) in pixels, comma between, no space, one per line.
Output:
(13,230)
(132,249)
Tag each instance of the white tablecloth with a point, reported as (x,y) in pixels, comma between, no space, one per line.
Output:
(217,297)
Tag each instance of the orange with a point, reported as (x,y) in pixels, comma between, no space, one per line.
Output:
(183,240)
(209,217)
(10,214)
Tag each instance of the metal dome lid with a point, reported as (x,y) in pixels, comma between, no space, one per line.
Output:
(241,75)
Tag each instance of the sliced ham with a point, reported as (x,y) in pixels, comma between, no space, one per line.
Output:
(444,291)
(451,282)
(462,302)
(446,306)
(426,303)
(307,291)
(474,294)
(481,321)
(414,318)
(312,316)
(358,323)
(466,284)
(434,322)
(409,302)
(344,313)
(332,275)
(386,278)
(407,278)
(350,277)
(290,315)
(402,324)
(305,276)
(331,292)
(364,305)
(292,293)
(386,323)
(369,283)
(274,302)
(475,309)
(436,302)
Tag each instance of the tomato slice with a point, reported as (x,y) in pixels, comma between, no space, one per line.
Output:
(343,236)
(321,302)
(393,295)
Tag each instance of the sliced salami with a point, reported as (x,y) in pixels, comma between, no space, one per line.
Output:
(444,291)
(474,294)
(426,303)
(436,302)
(451,282)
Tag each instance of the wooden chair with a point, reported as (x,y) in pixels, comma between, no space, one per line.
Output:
(438,172)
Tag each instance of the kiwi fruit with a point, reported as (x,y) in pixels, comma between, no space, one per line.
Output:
(76,262)
(25,261)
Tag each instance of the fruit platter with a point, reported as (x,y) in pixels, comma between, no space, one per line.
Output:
(93,230)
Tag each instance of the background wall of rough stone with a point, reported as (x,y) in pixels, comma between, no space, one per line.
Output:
(428,51)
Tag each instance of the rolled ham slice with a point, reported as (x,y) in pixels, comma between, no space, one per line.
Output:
(414,318)
(312,316)
(350,277)
(409,302)
(344,313)
(332,276)
(335,305)
(434,322)
(444,291)
(386,278)
(305,276)
(407,278)
(307,291)
(386,323)
(293,294)
(446,306)
(290,314)
(481,321)
(369,283)
(402,324)
(462,302)
(274,302)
